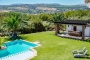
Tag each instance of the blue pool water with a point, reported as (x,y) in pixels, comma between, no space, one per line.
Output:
(16,47)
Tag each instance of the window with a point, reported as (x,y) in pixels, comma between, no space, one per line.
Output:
(68,25)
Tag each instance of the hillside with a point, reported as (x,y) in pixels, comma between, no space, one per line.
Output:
(39,8)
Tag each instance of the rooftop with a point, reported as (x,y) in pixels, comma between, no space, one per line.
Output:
(76,22)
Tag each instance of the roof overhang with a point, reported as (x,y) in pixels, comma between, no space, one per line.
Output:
(74,22)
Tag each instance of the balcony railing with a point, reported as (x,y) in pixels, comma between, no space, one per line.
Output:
(75,33)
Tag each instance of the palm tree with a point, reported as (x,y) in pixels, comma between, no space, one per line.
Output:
(59,17)
(14,23)
(11,24)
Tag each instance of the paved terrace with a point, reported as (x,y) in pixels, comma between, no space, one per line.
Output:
(73,37)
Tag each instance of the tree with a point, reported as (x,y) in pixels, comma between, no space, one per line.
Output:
(36,24)
(58,17)
(44,16)
(11,23)
(15,21)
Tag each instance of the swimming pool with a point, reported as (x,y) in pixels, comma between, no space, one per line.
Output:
(15,47)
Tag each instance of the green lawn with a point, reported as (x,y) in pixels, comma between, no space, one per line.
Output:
(54,47)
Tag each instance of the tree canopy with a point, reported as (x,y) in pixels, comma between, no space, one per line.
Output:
(28,23)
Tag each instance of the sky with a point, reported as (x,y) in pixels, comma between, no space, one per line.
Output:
(63,2)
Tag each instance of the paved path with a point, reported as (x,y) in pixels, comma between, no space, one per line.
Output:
(21,56)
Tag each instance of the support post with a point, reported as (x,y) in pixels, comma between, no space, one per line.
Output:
(56,29)
(83,32)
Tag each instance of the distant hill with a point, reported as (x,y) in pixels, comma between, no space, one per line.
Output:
(39,8)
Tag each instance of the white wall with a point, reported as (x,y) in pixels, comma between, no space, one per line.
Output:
(79,28)
(68,28)
(87,31)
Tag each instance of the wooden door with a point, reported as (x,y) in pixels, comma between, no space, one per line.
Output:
(74,28)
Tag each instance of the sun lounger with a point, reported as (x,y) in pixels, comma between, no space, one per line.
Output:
(81,55)
(79,51)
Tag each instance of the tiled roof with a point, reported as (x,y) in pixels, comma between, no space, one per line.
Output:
(76,22)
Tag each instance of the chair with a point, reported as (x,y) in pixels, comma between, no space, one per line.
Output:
(81,55)
(79,51)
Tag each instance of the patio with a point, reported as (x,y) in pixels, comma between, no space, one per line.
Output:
(72,37)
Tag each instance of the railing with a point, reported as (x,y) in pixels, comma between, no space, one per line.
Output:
(75,33)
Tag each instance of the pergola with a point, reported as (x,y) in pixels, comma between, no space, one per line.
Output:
(82,23)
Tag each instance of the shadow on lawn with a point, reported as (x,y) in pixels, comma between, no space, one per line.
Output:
(84,58)
(87,40)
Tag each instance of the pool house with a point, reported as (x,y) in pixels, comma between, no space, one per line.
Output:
(78,29)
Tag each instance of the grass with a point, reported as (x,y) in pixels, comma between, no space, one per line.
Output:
(54,47)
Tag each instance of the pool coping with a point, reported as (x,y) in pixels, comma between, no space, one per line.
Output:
(37,42)
(35,54)
(34,51)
